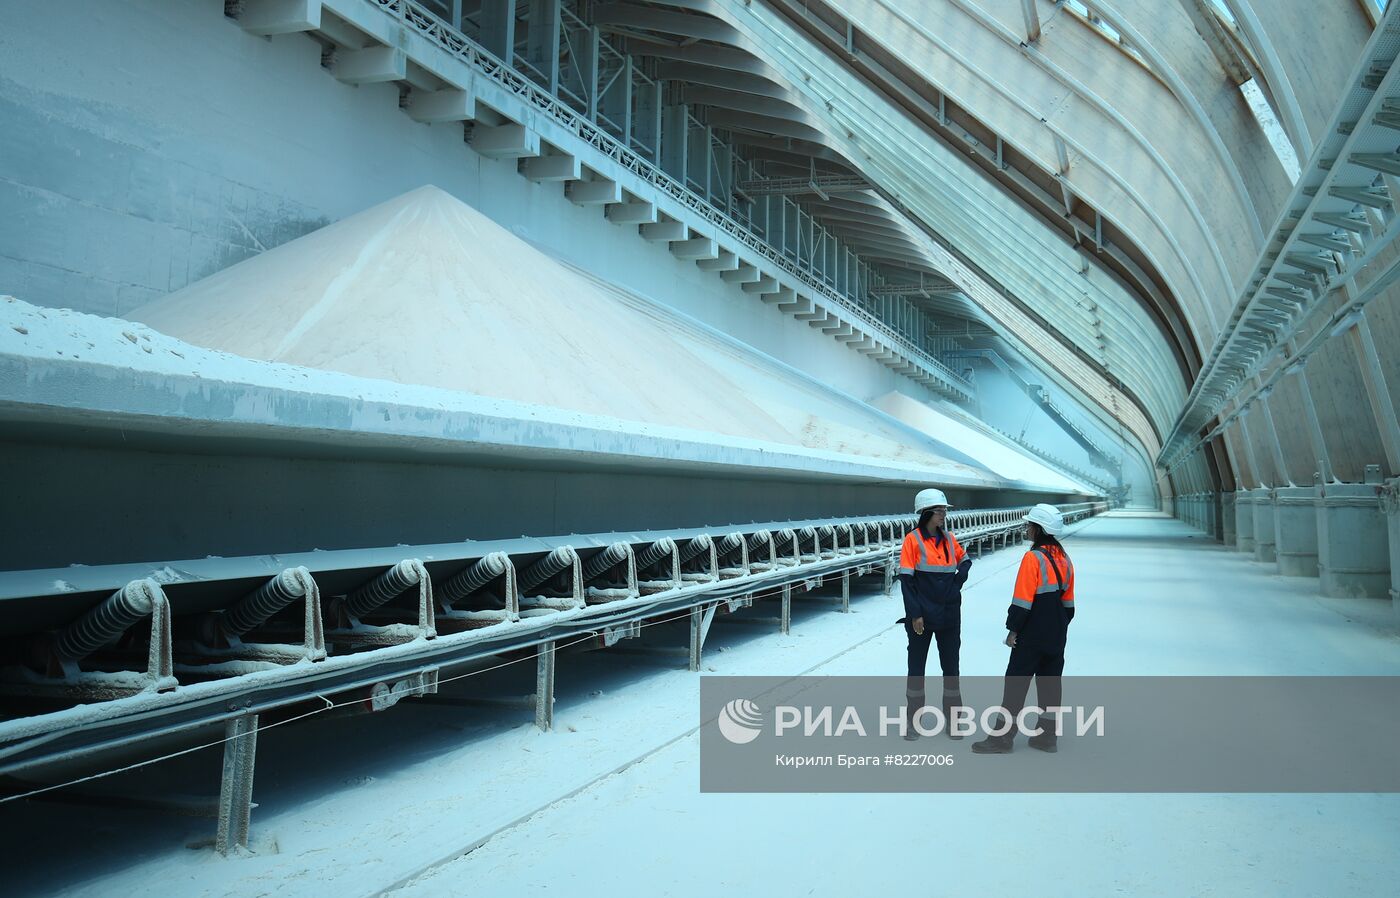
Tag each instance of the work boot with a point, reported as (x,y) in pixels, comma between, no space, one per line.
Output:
(996,745)
(912,704)
(1047,740)
(950,703)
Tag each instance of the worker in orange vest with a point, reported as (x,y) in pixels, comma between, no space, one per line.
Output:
(932,569)
(1037,624)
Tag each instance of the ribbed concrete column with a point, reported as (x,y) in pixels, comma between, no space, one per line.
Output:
(1295,530)
(1353,545)
(1244,521)
(1390,506)
(1227,518)
(1264,549)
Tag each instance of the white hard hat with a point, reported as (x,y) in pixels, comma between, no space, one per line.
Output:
(1048,517)
(929,498)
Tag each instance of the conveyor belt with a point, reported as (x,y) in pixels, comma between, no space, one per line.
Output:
(769,559)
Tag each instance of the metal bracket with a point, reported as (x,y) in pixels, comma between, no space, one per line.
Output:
(613,635)
(383,696)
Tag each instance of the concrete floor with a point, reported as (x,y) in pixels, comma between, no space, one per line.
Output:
(436,800)
(1154,597)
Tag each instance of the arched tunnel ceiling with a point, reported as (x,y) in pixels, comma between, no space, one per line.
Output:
(1082,178)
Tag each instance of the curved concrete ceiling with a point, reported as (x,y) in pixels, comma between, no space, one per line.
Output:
(1086,173)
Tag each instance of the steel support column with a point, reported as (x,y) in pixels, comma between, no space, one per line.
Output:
(498,29)
(1315,436)
(236,788)
(542,42)
(1382,407)
(544,687)
(1281,476)
(700,618)
(675,145)
(1032,17)
(1249,447)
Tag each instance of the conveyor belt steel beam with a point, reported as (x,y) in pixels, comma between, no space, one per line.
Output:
(820,549)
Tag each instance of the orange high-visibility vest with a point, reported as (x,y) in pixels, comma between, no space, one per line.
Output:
(930,555)
(1036,579)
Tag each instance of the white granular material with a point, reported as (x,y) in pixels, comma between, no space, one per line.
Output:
(425,290)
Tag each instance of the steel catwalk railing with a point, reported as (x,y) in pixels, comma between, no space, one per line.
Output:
(479,58)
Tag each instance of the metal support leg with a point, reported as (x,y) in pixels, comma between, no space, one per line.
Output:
(889,577)
(845,592)
(1382,407)
(700,619)
(785,624)
(236,791)
(1280,468)
(695,615)
(1319,443)
(1249,450)
(544,687)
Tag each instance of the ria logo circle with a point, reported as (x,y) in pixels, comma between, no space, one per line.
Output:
(740,721)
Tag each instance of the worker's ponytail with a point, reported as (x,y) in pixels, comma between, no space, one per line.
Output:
(1044,539)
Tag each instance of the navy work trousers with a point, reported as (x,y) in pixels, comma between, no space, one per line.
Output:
(949,641)
(1046,665)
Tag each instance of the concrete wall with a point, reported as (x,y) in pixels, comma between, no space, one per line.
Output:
(147,144)
(1005,405)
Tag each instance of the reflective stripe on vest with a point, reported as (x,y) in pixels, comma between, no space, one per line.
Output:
(1045,585)
(929,566)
